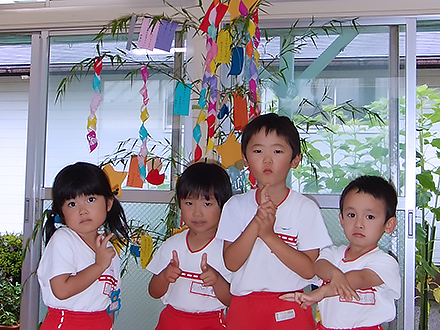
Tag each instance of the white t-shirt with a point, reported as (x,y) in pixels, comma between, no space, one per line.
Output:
(188,293)
(298,222)
(376,305)
(67,253)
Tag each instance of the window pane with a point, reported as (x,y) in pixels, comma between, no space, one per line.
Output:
(332,85)
(15,55)
(118,115)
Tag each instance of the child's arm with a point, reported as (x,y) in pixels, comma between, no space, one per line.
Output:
(301,262)
(305,299)
(236,253)
(159,283)
(211,277)
(67,285)
(345,284)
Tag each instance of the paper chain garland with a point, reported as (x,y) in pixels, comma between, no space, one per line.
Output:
(143,133)
(94,105)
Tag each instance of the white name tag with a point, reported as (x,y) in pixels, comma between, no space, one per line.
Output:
(365,298)
(285,315)
(198,288)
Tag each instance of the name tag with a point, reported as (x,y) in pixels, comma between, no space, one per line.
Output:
(285,315)
(365,298)
(198,288)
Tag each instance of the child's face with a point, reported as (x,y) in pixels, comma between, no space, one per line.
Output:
(84,214)
(363,220)
(269,158)
(199,214)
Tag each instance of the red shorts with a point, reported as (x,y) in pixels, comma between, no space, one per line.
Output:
(319,326)
(69,320)
(265,311)
(173,319)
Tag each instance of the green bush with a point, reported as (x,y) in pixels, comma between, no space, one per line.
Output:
(10,297)
(11,258)
(11,255)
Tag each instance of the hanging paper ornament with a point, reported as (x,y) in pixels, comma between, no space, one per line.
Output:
(197,135)
(154,165)
(146,250)
(134,179)
(229,151)
(251,51)
(115,178)
(143,133)
(94,105)
(155,178)
(237,61)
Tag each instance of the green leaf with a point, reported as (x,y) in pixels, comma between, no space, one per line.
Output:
(425,179)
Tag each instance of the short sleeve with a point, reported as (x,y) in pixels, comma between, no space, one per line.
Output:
(59,257)
(162,257)
(387,268)
(313,233)
(229,228)
(329,253)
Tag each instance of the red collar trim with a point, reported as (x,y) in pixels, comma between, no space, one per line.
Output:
(346,250)
(204,246)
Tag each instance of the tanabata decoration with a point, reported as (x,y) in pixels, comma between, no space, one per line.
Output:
(229,151)
(197,135)
(154,165)
(115,179)
(182,98)
(146,251)
(209,25)
(94,105)
(254,56)
(165,35)
(143,133)
(240,113)
(148,34)
(235,6)
(134,180)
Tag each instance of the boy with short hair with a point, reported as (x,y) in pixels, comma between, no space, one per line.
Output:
(363,281)
(273,234)
(190,276)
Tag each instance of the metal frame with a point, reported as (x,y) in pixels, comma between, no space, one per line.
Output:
(34,175)
(35,193)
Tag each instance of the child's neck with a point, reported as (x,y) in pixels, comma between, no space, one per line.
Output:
(355,252)
(197,241)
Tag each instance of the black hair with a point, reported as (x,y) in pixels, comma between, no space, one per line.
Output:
(85,179)
(204,179)
(376,186)
(271,122)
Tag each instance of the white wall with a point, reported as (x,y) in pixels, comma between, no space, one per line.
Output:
(13,133)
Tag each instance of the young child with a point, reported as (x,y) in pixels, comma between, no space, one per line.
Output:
(79,269)
(189,272)
(363,281)
(273,234)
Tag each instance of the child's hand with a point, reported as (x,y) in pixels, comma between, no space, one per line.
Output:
(342,288)
(172,272)
(305,299)
(209,275)
(265,216)
(103,254)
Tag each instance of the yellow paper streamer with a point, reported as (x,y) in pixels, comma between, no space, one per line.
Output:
(201,117)
(251,28)
(146,250)
(210,145)
(144,113)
